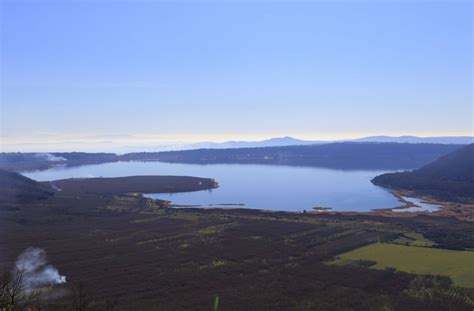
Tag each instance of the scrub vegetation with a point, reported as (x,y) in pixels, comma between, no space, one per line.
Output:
(150,258)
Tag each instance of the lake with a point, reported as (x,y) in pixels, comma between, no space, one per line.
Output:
(422,206)
(270,187)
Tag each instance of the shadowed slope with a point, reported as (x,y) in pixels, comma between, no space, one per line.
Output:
(15,187)
(450,177)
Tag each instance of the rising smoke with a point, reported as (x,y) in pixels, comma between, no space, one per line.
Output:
(36,271)
(50,157)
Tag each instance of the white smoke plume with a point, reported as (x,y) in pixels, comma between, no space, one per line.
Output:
(50,157)
(36,271)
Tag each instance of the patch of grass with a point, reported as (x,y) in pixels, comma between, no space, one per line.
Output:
(184,244)
(458,265)
(413,239)
(218,263)
(211,230)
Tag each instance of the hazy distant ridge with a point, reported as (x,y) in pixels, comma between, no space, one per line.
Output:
(291,141)
(459,140)
(292,152)
(121,148)
(348,155)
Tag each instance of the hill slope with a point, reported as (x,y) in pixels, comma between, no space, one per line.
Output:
(450,178)
(15,187)
(17,161)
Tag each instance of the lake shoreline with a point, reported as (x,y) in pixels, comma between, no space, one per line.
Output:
(256,186)
(458,210)
(192,196)
(132,184)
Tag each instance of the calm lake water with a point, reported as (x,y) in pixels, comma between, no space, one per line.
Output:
(271,187)
(422,206)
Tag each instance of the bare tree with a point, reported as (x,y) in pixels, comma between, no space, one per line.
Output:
(14,294)
(109,305)
(80,300)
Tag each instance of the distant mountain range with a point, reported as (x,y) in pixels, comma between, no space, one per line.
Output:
(291,141)
(459,140)
(272,142)
(122,148)
(451,177)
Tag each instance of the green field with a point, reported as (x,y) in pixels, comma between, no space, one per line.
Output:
(458,265)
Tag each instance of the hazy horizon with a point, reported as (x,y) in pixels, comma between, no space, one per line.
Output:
(124,144)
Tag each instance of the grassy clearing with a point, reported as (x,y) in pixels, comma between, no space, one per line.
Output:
(458,265)
(413,239)
(218,263)
(211,230)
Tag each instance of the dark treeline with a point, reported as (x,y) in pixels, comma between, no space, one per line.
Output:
(17,161)
(335,155)
(448,178)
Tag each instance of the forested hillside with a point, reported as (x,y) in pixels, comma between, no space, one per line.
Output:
(450,178)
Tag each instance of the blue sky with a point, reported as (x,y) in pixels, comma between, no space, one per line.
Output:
(149,71)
